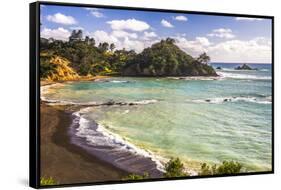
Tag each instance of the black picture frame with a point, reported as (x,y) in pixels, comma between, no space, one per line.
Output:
(34,91)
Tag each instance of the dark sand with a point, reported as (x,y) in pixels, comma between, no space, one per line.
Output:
(65,162)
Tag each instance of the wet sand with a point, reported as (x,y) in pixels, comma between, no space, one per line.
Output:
(64,162)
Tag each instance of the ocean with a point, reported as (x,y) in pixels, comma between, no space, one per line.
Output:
(197,119)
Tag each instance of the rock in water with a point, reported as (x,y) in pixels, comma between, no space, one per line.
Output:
(244,67)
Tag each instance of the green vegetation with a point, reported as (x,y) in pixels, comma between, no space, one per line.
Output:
(227,167)
(174,168)
(167,59)
(47,181)
(136,177)
(87,58)
(46,67)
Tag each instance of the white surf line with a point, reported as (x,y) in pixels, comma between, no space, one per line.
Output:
(124,144)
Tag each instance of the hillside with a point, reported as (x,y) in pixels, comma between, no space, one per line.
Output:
(69,60)
(56,68)
(167,59)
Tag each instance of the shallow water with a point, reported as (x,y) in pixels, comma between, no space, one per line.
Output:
(227,118)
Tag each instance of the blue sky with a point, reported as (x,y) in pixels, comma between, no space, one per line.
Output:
(224,38)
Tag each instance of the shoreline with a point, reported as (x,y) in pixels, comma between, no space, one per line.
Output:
(139,161)
(65,162)
(100,77)
(112,148)
(91,78)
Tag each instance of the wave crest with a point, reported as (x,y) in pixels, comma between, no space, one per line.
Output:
(114,145)
(242,76)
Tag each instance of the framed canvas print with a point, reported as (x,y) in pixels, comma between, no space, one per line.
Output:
(120,94)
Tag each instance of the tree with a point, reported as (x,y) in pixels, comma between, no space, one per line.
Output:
(112,47)
(170,40)
(203,58)
(92,42)
(174,168)
(103,47)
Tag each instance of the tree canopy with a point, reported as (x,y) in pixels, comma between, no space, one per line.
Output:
(167,59)
(88,58)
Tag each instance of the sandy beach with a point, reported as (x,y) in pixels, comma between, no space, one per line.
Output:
(63,161)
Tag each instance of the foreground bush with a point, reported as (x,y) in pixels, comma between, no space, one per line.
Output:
(174,168)
(227,167)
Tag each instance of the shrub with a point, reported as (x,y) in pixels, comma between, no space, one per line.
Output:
(174,168)
(207,170)
(227,167)
(136,176)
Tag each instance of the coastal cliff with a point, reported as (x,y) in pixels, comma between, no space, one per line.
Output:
(56,68)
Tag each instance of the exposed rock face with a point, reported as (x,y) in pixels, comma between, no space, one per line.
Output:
(56,68)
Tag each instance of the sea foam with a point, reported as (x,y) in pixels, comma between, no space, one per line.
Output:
(98,135)
(242,76)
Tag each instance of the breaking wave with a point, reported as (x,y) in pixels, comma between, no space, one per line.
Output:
(97,136)
(242,76)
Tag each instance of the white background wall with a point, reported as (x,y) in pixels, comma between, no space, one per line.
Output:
(14,74)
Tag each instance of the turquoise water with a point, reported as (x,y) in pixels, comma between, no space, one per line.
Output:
(198,120)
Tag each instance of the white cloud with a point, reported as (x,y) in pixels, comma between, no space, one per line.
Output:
(167,24)
(136,45)
(257,50)
(248,19)
(97,14)
(121,40)
(193,47)
(203,41)
(263,41)
(59,33)
(123,34)
(101,36)
(129,24)
(150,35)
(61,19)
(180,18)
(222,33)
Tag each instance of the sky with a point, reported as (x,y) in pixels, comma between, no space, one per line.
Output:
(225,39)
